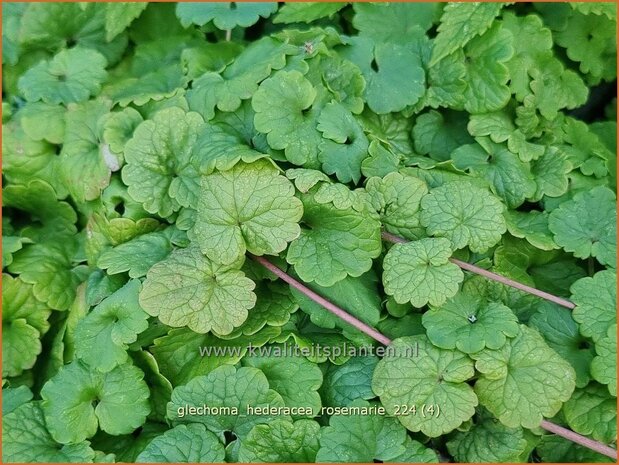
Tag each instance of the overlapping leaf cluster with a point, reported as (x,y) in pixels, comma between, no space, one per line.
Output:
(149,149)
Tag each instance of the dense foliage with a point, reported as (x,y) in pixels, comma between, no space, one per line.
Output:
(149,150)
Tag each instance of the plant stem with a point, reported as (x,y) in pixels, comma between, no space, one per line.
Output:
(337,311)
(361,326)
(494,276)
(228,35)
(579,439)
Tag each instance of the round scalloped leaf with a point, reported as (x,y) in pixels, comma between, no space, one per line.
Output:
(77,401)
(586,225)
(596,303)
(283,106)
(604,366)
(119,128)
(361,438)
(25,439)
(394,22)
(184,444)
(487,441)
(239,81)
(136,256)
(225,15)
(420,272)
(188,289)
(19,302)
(470,324)
(295,378)
(42,121)
(161,171)
(73,75)
(524,381)
(118,17)
(48,267)
(558,327)
(337,242)
(465,214)
(394,74)
(281,442)
(14,397)
(348,382)
(250,207)
(111,325)
(418,375)
(20,346)
(592,411)
(229,387)
(397,199)
(532,226)
(344,146)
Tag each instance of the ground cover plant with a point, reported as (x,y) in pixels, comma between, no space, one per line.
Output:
(261,232)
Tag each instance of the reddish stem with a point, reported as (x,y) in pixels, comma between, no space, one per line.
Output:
(361,326)
(337,311)
(579,439)
(494,276)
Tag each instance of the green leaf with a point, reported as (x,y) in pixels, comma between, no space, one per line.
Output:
(509,177)
(394,22)
(250,207)
(188,289)
(360,296)
(532,226)
(48,267)
(281,442)
(220,147)
(487,441)
(590,40)
(556,449)
(136,256)
(184,444)
(346,383)
(283,105)
(344,146)
(38,199)
(57,26)
(239,81)
(224,15)
(593,412)
(73,75)
(361,437)
(603,365)
(432,378)
(13,398)
(380,161)
(25,438)
(77,401)
(561,333)
(461,22)
(470,324)
(524,381)
(306,12)
(295,378)
(111,326)
(25,160)
(42,121)
(438,134)
(20,345)
(118,17)
(182,354)
(229,387)
(340,242)
(119,128)
(465,214)
(419,272)
(397,198)
(161,172)
(393,73)
(486,73)
(586,225)
(86,163)
(532,45)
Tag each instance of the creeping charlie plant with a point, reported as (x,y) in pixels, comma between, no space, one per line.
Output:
(169,168)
